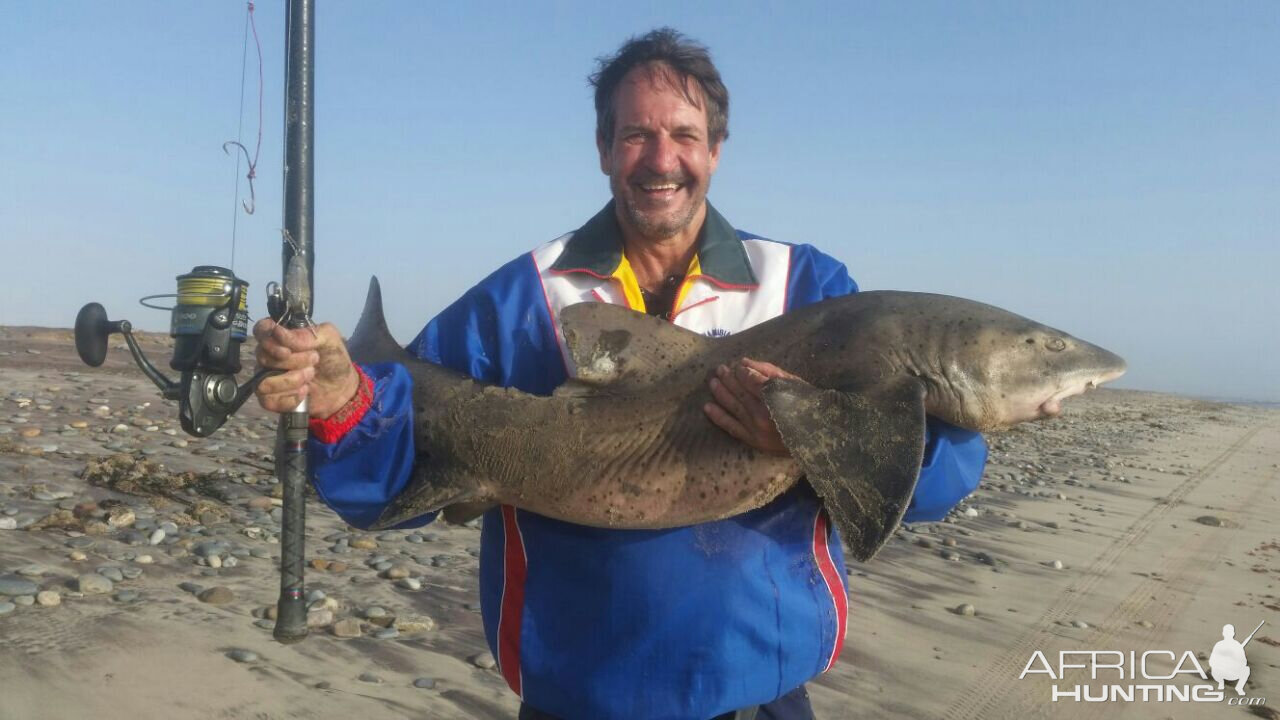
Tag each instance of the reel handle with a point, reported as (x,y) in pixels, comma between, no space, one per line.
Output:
(92,330)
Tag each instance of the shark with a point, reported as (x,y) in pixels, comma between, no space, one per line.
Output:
(624,443)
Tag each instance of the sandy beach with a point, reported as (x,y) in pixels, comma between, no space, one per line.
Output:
(140,586)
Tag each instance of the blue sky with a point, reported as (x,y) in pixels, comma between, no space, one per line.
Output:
(1112,169)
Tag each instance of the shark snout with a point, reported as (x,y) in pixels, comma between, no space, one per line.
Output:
(1052,407)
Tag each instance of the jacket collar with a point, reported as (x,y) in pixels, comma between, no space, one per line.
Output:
(596,249)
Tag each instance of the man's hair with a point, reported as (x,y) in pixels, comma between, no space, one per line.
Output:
(663,49)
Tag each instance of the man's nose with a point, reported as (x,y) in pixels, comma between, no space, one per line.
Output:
(662,155)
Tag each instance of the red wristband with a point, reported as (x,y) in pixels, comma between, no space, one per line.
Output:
(332,428)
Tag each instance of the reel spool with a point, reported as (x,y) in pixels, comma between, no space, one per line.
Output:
(208,324)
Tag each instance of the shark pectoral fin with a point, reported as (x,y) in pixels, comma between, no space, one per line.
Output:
(371,341)
(861,452)
(616,348)
(434,485)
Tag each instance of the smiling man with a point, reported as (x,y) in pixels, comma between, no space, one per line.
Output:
(725,619)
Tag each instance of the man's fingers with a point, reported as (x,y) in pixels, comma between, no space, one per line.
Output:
(296,340)
(282,403)
(293,381)
(726,422)
(768,370)
(727,398)
(752,380)
(262,329)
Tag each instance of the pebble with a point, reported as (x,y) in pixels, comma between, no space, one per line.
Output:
(217,595)
(415,624)
(370,678)
(347,628)
(111,573)
(1080,624)
(950,555)
(483,660)
(8,523)
(93,584)
(24,600)
(191,587)
(126,596)
(970,512)
(386,633)
(364,543)
(425,683)
(409,583)
(121,518)
(965,609)
(156,537)
(1056,565)
(374,612)
(48,598)
(319,618)
(241,655)
(7,607)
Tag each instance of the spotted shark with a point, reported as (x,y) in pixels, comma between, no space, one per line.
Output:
(625,443)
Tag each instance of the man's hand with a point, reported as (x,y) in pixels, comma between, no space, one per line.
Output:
(739,407)
(316,366)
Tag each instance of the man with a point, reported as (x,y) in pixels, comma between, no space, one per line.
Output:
(722,619)
(1227,660)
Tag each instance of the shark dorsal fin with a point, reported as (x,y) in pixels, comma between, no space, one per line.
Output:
(371,341)
(620,349)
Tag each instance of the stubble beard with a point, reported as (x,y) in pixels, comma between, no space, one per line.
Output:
(656,226)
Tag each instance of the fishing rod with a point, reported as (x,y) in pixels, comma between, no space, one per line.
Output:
(209,321)
(290,304)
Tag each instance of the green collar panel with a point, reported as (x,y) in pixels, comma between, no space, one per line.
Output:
(596,249)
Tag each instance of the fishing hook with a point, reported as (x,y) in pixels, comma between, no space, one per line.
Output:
(253,200)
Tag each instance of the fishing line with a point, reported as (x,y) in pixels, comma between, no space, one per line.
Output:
(250,206)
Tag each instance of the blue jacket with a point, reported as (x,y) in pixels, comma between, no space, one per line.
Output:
(592,623)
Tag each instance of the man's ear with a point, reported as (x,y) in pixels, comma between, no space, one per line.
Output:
(606,162)
(714,155)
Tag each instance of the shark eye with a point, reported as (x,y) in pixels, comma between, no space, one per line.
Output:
(1055,344)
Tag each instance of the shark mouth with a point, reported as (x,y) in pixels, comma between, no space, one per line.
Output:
(1052,407)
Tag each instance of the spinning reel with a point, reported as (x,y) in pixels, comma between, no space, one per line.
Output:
(208,324)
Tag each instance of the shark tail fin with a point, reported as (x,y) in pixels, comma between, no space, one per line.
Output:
(861,452)
(371,341)
(435,484)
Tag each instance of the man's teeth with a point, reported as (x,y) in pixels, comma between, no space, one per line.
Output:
(656,188)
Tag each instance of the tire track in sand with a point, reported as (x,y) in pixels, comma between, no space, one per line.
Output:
(998,679)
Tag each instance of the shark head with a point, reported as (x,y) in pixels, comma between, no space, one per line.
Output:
(1017,370)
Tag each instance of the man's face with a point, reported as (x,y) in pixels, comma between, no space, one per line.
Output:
(659,163)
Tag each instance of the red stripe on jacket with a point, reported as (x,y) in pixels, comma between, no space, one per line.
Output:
(831,576)
(515,569)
